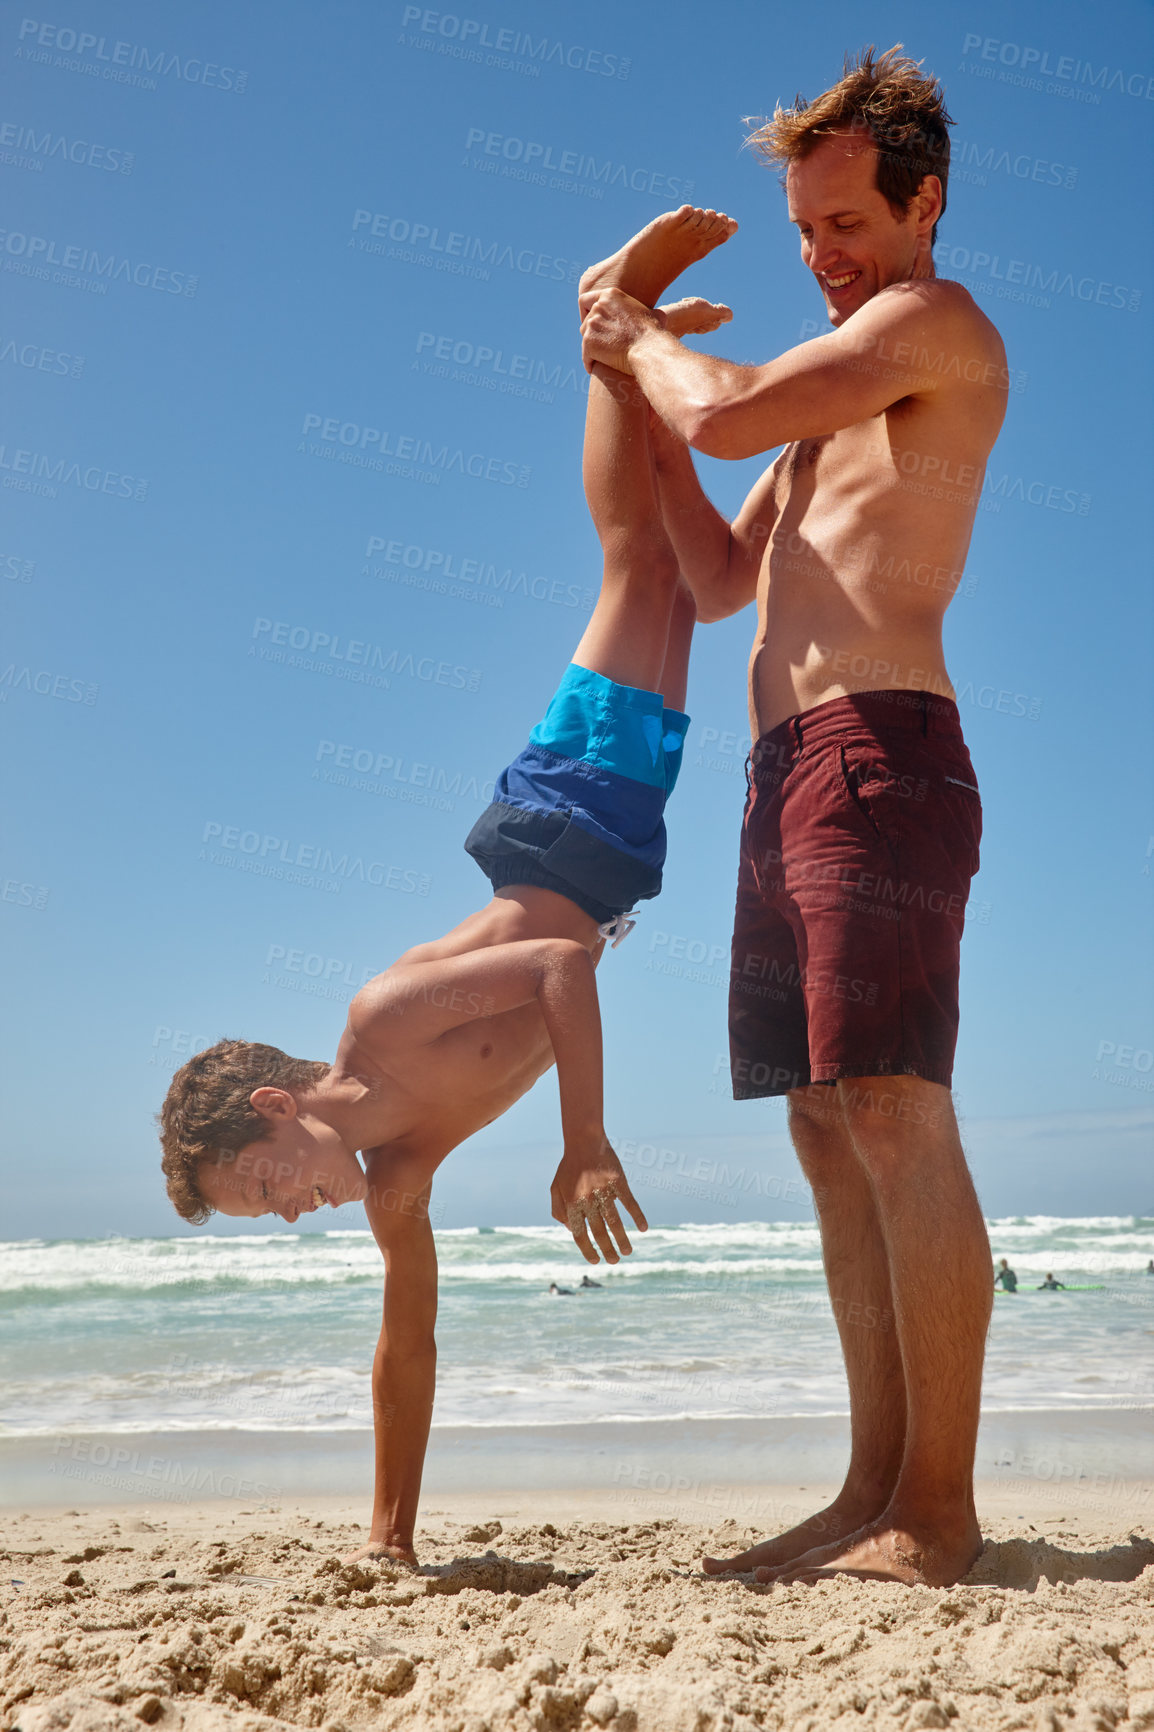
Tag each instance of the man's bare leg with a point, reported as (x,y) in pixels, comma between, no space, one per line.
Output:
(857,1271)
(906,1137)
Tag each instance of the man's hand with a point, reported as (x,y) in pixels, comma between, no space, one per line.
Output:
(587,1187)
(612,321)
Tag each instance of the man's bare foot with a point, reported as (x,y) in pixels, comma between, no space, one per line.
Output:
(693,316)
(888,1551)
(378,1552)
(645,266)
(832,1527)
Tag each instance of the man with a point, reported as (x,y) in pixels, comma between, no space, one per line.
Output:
(863,818)
(458,1029)
(1005,1278)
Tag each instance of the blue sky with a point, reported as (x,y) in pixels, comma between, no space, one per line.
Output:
(290,359)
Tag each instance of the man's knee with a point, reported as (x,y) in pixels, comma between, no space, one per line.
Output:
(891,1118)
(815,1108)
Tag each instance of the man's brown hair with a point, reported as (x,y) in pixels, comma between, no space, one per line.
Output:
(884,96)
(207,1113)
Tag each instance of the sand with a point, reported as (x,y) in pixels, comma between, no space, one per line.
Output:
(556,1613)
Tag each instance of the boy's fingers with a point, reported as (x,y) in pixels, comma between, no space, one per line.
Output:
(601,1234)
(634,1207)
(581,1238)
(617,1228)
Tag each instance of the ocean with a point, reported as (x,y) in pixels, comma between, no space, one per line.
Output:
(274,1332)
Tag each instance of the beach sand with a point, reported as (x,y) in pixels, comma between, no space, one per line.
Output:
(561,1611)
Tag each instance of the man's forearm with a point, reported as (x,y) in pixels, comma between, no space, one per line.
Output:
(684,387)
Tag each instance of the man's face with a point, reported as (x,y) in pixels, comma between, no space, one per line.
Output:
(302,1166)
(850,238)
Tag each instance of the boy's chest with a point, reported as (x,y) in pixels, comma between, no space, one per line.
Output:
(478,1070)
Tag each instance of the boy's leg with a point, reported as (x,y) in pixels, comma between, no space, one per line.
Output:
(628,635)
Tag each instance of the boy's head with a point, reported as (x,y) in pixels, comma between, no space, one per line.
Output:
(244,1131)
(866,166)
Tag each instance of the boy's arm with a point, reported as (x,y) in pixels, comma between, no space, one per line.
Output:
(405,1363)
(414,1004)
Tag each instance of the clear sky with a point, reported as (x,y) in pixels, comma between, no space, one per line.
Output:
(290,370)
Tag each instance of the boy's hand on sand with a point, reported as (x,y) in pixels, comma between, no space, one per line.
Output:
(588,1186)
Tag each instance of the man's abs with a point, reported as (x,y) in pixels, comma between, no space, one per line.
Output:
(867,549)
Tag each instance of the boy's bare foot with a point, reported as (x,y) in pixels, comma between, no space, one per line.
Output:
(831,1528)
(645,266)
(889,1550)
(693,316)
(378,1552)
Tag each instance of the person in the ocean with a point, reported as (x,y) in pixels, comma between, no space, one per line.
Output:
(1049,1285)
(457,1030)
(1006,1279)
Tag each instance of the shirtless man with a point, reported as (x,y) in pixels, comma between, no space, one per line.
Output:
(456,1030)
(863,819)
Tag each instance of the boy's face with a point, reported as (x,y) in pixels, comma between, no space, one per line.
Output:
(850,238)
(299,1168)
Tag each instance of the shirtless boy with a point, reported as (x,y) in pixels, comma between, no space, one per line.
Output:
(863,818)
(456,1030)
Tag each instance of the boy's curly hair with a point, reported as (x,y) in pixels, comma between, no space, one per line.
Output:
(207,1113)
(885,96)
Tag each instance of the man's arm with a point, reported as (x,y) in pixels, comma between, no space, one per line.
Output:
(888,350)
(720,561)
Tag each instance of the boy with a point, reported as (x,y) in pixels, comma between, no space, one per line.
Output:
(458,1029)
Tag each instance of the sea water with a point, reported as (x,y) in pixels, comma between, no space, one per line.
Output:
(276,1331)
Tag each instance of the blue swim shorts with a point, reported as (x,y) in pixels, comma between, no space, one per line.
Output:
(581,809)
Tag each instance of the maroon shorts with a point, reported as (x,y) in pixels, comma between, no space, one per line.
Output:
(860,838)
